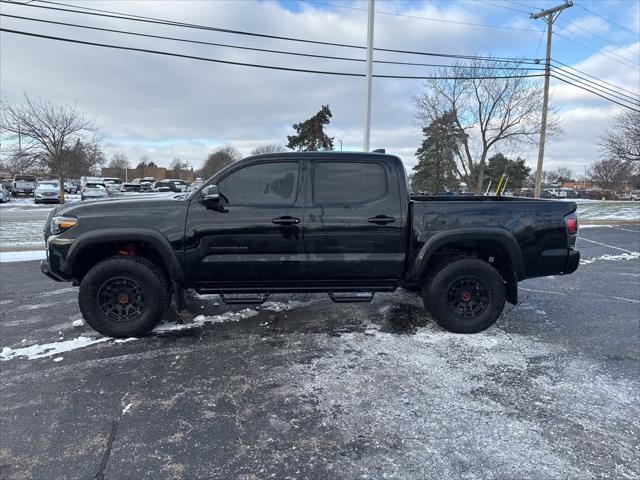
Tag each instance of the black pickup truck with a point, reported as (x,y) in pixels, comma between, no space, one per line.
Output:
(341,223)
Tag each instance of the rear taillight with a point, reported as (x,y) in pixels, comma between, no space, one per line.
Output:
(571,222)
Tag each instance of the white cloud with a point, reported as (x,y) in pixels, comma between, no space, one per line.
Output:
(168,107)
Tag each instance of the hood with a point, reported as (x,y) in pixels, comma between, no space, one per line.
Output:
(122,205)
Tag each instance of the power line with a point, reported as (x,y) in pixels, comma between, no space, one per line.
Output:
(418,17)
(159,21)
(608,41)
(254,65)
(604,90)
(255,49)
(596,78)
(595,93)
(599,52)
(606,19)
(496,5)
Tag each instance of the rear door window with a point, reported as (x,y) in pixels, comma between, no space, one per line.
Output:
(348,182)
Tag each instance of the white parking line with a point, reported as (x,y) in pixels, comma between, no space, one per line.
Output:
(606,245)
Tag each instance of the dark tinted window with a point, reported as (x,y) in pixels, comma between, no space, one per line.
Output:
(262,184)
(348,182)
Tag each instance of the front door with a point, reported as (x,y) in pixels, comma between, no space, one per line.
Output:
(353,226)
(253,233)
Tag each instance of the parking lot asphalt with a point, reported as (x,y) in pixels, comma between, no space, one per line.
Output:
(304,388)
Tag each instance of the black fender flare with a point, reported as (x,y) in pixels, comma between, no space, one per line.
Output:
(494,234)
(147,235)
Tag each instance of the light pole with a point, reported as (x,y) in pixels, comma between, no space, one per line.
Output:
(340,144)
(367,101)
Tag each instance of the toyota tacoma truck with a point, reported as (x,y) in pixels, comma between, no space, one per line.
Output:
(340,223)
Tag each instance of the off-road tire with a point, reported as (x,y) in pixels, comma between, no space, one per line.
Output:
(463,278)
(131,279)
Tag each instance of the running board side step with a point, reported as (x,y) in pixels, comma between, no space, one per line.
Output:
(364,297)
(246,299)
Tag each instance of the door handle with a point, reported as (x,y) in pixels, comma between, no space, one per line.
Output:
(286,220)
(381,219)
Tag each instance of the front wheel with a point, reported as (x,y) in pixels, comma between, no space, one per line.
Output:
(124,296)
(466,295)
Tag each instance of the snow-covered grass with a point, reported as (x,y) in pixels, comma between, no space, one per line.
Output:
(22,256)
(609,211)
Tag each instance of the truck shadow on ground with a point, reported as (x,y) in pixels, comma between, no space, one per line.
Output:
(397,314)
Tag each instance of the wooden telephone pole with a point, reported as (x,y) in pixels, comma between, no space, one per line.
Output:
(549,16)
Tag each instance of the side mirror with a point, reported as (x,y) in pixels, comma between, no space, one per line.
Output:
(211,194)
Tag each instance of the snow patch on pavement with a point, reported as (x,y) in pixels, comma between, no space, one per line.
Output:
(25,256)
(36,306)
(49,349)
(201,320)
(612,258)
(54,348)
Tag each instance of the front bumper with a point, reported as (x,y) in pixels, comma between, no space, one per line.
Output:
(44,267)
(573,260)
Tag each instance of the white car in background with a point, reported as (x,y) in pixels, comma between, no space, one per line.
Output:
(93,191)
(112,184)
(5,196)
(47,192)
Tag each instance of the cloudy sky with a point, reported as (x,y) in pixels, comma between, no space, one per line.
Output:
(168,107)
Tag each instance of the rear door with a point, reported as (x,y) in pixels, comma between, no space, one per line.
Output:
(254,233)
(353,223)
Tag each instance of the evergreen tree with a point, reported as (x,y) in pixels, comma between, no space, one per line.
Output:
(310,134)
(436,169)
(515,169)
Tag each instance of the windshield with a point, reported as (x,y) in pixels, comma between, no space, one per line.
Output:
(94,186)
(48,184)
(25,178)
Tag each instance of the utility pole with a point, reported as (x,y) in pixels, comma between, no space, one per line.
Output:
(549,16)
(367,100)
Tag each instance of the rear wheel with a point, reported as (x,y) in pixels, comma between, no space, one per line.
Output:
(466,295)
(124,296)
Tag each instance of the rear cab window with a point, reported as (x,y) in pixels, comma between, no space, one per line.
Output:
(348,182)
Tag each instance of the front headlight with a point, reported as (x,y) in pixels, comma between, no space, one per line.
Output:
(61,224)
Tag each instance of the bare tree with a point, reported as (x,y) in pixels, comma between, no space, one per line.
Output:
(611,173)
(266,149)
(493,102)
(44,132)
(120,163)
(622,142)
(218,159)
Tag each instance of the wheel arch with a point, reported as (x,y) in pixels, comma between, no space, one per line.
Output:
(96,245)
(495,245)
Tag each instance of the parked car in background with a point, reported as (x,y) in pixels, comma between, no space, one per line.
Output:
(70,188)
(632,195)
(162,186)
(47,191)
(8,184)
(170,185)
(24,185)
(5,196)
(178,185)
(112,184)
(93,191)
(131,187)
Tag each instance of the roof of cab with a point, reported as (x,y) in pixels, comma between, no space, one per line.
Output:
(331,153)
